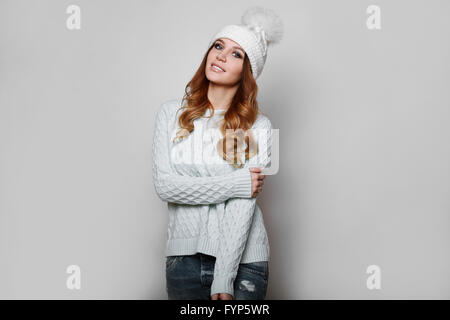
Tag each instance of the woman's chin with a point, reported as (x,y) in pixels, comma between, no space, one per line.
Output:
(218,80)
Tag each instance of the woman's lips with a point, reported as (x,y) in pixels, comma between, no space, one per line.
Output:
(215,68)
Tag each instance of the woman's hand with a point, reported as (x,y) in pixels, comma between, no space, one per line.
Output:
(257,181)
(221,296)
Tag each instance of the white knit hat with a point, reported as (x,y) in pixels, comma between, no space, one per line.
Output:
(259,28)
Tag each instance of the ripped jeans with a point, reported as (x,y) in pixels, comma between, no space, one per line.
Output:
(189,277)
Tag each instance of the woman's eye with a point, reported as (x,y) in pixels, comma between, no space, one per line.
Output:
(238,55)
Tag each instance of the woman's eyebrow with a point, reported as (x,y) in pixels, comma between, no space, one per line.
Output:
(233,47)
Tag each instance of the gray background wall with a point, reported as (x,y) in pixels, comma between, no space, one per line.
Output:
(364,126)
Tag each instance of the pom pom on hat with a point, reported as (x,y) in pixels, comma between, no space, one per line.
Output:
(259,28)
(267,20)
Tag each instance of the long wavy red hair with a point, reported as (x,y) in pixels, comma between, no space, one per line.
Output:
(240,116)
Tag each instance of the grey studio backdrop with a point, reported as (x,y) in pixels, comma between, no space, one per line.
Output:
(364,145)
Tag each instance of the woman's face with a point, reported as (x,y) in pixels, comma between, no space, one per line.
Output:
(229,56)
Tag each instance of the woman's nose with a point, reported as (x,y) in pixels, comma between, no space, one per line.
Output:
(221,56)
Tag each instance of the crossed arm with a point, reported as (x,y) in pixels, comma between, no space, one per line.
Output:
(172,187)
(237,219)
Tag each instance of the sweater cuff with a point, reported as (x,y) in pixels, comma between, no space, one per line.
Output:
(242,182)
(223,284)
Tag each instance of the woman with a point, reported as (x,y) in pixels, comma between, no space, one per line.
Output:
(208,155)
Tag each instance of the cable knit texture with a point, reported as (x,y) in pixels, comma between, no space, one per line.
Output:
(209,201)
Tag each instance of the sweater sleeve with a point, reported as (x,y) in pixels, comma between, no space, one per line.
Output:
(172,187)
(236,221)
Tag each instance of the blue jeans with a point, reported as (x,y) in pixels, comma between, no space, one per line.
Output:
(189,277)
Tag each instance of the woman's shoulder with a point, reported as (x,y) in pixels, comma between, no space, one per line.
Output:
(170,106)
(262,121)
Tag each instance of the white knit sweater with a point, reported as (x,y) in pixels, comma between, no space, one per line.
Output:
(209,201)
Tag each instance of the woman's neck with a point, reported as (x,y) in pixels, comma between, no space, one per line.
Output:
(221,96)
